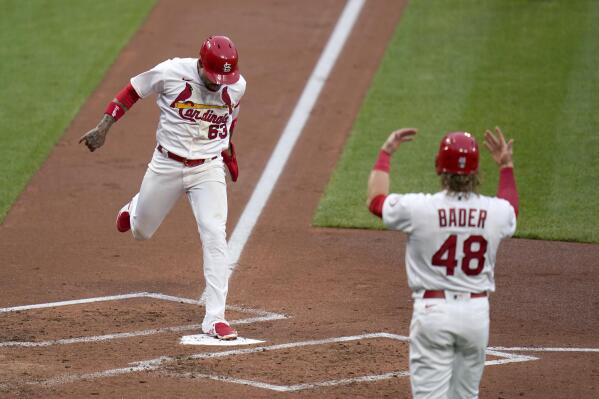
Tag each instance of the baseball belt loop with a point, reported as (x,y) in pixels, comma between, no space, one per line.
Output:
(165,152)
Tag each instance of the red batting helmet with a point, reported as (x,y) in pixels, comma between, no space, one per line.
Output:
(219,60)
(458,153)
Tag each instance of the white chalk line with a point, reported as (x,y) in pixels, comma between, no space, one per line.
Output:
(75,302)
(211,355)
(71,378)
(289,388)
(245,351)
(153,331)
(541,349)
(506,358)
(260,316)
(154,295)
(157,364)
(292,131)
(236,308)
(346,381)
(256,384)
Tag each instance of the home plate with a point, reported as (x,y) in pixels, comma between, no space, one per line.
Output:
(203,339)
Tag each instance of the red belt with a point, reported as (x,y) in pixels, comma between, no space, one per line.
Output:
(428,294)
(184,161)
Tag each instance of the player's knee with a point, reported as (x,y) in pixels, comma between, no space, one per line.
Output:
(214,231)
(214,238)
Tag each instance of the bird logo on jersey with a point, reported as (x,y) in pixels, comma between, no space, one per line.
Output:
(191,111)
(183,96)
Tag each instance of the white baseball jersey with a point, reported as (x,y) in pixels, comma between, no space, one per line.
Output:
(194,121)
(452,240)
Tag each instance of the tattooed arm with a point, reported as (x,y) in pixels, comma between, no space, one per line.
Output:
(124,100)
(95,138)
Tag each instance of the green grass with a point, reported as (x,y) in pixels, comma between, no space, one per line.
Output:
(53,54)
(530,67)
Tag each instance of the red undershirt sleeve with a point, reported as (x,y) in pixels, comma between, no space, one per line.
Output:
(127,97)
(376,205)
(507,188)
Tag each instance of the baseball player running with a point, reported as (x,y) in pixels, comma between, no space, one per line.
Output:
(453,237)
(199,103)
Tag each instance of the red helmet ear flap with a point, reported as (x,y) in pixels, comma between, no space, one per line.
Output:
(219,59)
(458,153)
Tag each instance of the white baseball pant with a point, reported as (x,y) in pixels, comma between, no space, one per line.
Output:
(448,338)
(164,182)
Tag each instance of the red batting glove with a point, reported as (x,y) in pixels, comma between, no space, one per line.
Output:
(230,160)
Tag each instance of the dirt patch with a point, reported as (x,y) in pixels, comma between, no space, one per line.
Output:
(97,319)
(310,364)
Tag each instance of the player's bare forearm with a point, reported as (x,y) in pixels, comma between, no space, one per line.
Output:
(502,153)
(96,137)
(378,184)
(115,110)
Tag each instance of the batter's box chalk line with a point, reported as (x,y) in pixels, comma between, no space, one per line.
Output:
(257,315)
(505,358)
(160,363)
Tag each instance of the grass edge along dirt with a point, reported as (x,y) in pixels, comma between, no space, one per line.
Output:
(54,54)
(529,67)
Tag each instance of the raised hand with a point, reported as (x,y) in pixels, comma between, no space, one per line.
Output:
(396,138)
(500,150)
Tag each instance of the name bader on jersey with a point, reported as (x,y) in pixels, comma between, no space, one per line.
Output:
(461,217)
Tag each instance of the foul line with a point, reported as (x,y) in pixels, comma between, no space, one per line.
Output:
(292,131)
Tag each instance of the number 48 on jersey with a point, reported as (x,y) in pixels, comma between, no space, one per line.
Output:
(473,251)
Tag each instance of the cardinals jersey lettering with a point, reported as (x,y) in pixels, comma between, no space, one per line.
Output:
(194,121)
(452,240)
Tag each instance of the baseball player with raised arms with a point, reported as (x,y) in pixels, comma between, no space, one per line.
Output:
(199,101)
(453,237)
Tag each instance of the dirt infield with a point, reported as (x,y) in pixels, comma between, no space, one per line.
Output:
(332,305)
